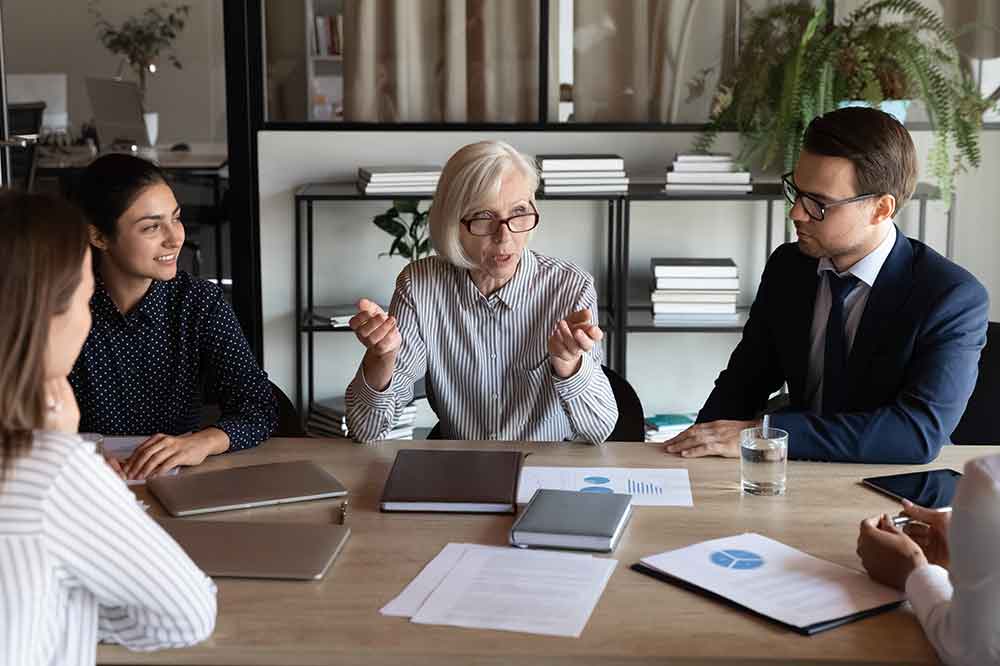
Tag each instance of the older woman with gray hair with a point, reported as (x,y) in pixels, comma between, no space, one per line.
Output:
(507,338)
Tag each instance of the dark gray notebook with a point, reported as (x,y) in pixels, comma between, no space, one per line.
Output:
(572,519)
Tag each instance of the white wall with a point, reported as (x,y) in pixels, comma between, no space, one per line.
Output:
(670,371)
(49,36)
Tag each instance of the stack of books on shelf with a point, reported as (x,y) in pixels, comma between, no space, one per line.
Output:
(708,173)
(661,427)
(328,418)
(578,174)
(694,291)
(419,179)
(329,35)
(337,316)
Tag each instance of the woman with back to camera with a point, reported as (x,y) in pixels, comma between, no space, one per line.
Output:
(160,336)
(507,337)
(79,559)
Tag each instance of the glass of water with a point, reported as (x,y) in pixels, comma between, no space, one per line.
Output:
(763,460)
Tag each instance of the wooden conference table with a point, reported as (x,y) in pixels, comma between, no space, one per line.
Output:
(638,620)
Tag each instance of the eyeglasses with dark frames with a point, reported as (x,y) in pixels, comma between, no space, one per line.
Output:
(813,207)
(486,224)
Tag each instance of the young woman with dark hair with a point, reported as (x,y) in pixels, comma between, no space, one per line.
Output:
(161,338)
(79,559)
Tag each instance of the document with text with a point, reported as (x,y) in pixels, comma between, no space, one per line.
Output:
(775,580)
(534,592)
(647,486)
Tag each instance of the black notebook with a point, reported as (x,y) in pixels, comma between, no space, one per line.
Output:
(457,481)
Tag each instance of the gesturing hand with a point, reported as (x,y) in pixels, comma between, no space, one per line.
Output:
(572,337)
(376,330)
(931,533)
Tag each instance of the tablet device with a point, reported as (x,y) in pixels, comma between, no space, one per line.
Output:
(933,489)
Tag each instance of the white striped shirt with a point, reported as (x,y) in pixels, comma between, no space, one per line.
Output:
(486,357)
(80,561)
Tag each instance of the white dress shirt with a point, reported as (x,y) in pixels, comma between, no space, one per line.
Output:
(81,561)
(866,270)
(960,610)
(486,357)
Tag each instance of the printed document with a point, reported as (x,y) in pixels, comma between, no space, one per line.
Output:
(776,580)
(647,486)
(508,589)
(122,448)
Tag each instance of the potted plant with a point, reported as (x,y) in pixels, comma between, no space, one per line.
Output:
(139,40)
(410,239)
(795,64)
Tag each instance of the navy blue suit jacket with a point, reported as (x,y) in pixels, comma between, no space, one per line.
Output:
(911,369)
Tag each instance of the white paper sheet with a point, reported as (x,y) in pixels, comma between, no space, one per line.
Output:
(534,592)
(648,486)
(122,448)
(415,594)
(774,579)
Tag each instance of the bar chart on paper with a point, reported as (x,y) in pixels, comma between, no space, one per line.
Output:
(647,486)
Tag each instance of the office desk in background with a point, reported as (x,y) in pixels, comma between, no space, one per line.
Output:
(637,621)
(205,165)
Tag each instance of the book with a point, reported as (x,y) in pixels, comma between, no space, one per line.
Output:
(334,315)
(400,171)
(706,188)
(692,283)
(693,267)
(693,320)
(572,189)
(703,157)
(456,481)
(722,178)
(321,36)
(551,175)
(694,308)
(548,182)
(572,519)
(704,167)
(694,296)
(670,420)
(582,162)
(398,189)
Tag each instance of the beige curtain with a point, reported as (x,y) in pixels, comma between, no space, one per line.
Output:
(441,60)
(631,58)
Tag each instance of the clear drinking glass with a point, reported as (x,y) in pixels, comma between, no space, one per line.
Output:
(763,461)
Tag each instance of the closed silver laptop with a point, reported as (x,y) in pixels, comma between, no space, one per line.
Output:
(244,487)
(301,551)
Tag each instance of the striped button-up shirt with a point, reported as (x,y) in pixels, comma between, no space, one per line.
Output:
(486,358)
(81,561)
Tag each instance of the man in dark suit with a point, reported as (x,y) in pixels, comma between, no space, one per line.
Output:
(877,335)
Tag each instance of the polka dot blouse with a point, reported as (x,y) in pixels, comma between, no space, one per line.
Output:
(150,371)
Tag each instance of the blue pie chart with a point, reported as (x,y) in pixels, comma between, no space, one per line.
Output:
(736,559)
(597,479)
(596,489)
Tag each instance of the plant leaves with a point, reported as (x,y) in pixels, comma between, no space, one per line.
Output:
(406,206)
(390,224)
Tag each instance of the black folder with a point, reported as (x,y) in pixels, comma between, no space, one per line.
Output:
(807,630)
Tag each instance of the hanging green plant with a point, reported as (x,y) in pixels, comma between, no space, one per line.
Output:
(411,237)
(795,64)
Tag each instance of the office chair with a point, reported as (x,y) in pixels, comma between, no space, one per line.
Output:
(24,119)
(631,424)
(979,424)
(289,422)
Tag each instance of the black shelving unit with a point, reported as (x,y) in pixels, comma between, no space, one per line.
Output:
(616,317)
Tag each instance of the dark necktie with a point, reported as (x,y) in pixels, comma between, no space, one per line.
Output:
(835,356)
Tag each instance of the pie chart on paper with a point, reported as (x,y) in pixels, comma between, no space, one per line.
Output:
(737,559)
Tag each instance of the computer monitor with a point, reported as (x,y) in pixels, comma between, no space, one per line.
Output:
(48,88)
(117,111)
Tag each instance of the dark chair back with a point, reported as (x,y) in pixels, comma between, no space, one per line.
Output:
(289,421)
(631,424)
(24,118)
(980,423)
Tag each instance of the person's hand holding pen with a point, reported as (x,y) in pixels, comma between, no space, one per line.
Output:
(929,529)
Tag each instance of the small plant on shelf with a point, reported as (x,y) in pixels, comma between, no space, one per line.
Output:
(411,238)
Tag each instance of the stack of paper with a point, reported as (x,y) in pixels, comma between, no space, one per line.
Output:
(648,486)
(328,418)
(709,173)
(420,179)
(661,427)
(486,587)
(693,290)
(576,174)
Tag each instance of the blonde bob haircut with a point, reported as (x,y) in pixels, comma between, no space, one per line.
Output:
(469,183)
